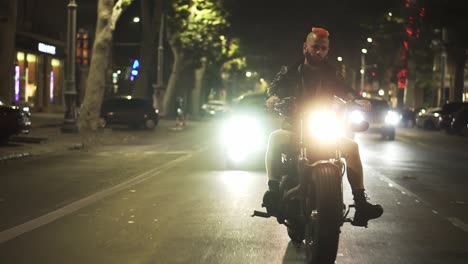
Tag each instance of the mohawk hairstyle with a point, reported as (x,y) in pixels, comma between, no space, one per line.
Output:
(320,32)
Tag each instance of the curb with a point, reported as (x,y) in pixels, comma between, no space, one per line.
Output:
(15,156)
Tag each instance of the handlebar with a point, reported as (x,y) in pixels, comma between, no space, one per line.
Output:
(261,214)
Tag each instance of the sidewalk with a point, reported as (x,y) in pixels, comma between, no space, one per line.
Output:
(48,138)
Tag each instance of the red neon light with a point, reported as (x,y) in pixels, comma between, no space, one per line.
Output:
(409,31)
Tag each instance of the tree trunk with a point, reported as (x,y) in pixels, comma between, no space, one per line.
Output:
(7,47)
(108,14)
(197,91)
(151,19)
(177,68)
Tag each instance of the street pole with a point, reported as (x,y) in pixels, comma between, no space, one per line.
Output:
(443,62)
(363,70)
(69,122)
(158,92)
(160,82)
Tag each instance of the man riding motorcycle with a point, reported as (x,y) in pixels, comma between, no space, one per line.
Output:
(314,80)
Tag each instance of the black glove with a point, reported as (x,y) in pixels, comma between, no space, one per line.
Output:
(271,198)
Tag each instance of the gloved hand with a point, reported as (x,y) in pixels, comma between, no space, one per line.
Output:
(270,103)
(271,198)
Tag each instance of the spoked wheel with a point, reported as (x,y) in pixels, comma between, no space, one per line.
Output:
(322,230)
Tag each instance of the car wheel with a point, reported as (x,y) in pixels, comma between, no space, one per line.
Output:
(429,125)
(150,124)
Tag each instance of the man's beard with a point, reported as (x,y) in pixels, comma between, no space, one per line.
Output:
(314,59)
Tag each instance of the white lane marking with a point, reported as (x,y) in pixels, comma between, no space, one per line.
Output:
(18,230)
(453,220)
(458,223)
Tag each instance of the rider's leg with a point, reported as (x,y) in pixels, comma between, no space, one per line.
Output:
(277,141)
(354,171)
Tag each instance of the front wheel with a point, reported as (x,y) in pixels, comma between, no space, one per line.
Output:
(322,230)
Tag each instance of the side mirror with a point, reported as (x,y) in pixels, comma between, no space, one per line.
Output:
(360,127)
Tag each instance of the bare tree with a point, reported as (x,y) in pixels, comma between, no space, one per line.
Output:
(7,46)
(108,14)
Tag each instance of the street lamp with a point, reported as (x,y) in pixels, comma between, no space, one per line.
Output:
(69,122)
(248,74)
(136,19)
(339,59)
(363,67)
(369,40)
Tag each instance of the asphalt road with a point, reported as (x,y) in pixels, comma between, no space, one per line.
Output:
(169,200)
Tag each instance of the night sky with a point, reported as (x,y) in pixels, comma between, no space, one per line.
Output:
(275,30)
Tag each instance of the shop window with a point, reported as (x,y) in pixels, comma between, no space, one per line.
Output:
(55,80)
(30,78)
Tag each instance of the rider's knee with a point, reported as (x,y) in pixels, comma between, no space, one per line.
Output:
(279,137)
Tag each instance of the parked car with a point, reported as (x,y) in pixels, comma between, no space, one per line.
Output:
(214,108)
(133,112)
(460,121)
(429,119)
(14,120)
(446,116)
(382,119)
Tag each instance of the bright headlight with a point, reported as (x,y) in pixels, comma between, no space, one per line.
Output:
(325,126)
(356,117)
(242,132)
(392,118)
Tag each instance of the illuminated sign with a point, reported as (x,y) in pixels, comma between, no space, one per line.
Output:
(135,68)
(46,48)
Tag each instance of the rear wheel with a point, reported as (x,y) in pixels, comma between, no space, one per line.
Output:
(322,230)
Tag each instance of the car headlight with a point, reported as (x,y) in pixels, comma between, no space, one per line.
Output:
(325,126)
(392,118)
(356,117)
(242,132)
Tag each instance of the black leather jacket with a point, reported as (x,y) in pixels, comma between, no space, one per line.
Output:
(311,83)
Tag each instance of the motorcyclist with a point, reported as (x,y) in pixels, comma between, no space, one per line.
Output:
(312,80)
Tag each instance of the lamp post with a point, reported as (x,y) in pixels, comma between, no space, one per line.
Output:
(443,63)
(69,122)
(158,93)
(363,68)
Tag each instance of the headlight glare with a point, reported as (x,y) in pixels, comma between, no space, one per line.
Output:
(356,117)
(392,118)
(325,126)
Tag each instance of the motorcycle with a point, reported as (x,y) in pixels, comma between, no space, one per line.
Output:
(312,206)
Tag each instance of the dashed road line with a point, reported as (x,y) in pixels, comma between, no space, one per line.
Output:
(453,220)
(31,225)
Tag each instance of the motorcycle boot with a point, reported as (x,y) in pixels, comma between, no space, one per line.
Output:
(271,198)
(365,211)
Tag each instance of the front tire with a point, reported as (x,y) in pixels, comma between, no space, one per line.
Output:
(322,230)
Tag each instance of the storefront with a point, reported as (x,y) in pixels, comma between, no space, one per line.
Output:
(39,73)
